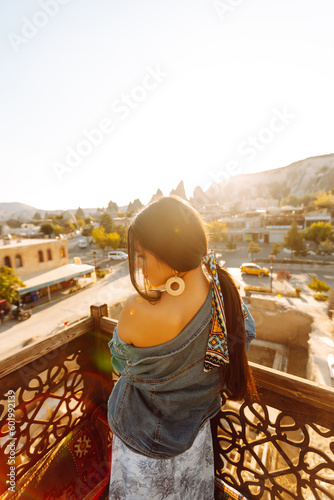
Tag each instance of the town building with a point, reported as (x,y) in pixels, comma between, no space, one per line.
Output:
(32,256)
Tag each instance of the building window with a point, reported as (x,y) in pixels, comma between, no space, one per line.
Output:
(7,261)
(18,260)
(40,256)
(49,254)
(62,252)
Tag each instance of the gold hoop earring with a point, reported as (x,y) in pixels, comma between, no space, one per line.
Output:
(175,280)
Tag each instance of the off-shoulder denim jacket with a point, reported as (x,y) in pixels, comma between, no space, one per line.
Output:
(163,397)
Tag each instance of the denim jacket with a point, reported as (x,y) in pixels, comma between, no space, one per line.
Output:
(163,397)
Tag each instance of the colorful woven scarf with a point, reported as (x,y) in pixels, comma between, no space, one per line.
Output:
(217,349)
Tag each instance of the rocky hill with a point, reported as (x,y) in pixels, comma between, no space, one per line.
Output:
(305,176)
(16,209)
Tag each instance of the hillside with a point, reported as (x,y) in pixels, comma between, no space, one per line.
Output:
(16,209)
(304,176)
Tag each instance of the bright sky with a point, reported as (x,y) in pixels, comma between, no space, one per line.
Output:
(110,100)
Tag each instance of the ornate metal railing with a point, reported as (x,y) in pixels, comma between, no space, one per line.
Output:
(281,447)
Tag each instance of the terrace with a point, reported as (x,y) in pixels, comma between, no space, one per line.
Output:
(279,448)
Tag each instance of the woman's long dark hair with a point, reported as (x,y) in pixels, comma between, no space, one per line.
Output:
(173,231)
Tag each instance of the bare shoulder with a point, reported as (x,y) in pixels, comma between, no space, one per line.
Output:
(136,314)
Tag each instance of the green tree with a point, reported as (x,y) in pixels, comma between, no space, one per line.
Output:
(291,199)
(37,216)
(68,227)
(294,239)
(123,233)
(87,230)
(217,231)
(318,232)
(14,223)
(253,248)
(47,228)
(276,248)
(9,283)
(58,229)
(80,222)
(113,240)
(107,222)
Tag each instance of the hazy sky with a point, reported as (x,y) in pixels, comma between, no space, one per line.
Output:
(111,100)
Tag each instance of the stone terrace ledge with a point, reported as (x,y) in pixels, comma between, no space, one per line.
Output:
(281,447)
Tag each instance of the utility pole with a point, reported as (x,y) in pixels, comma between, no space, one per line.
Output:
(271,257)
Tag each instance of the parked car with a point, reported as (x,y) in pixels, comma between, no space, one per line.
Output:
(83,243)
(117,255)
(250,268)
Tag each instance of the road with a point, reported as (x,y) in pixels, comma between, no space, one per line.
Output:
(114,288)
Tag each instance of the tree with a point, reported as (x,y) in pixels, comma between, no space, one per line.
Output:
(291,199)
(112,240)
(325,200)
(99,236)
(9,283)
(80,222)
(327,247)
(123,233)
(37,216)
(318,232)
(217,231)
(276,248)
(107,222)
(57,229)
(294,239)
(68,227)
(87,230)
(14,223)
(47,228)
(253,248)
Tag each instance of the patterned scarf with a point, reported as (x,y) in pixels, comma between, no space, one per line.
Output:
(216,350)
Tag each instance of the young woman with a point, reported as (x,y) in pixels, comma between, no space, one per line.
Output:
(181,339)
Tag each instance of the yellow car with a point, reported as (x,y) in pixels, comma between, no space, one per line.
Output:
(250,268)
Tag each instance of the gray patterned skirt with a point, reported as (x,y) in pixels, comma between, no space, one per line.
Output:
(189,476)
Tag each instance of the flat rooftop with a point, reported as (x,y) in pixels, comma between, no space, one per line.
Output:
(25,242)
(57,275)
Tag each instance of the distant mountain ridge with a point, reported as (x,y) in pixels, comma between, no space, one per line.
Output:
(305,176)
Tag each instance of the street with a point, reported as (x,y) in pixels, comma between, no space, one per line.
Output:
(51,317)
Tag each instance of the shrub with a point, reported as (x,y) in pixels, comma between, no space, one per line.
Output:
(318,286)
(283,275)
(100,273)
(298,291)
(320,296)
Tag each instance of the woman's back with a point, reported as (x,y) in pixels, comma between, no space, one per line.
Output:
(164,396)
(144,324)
